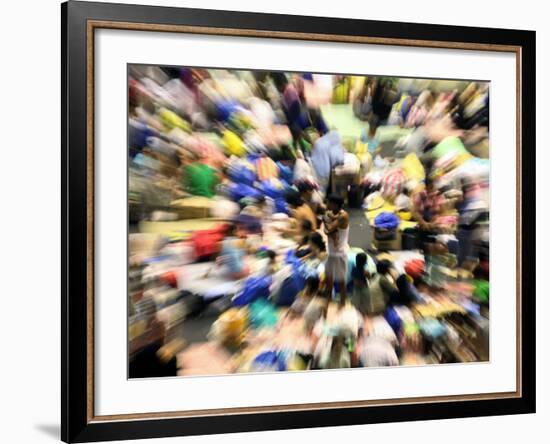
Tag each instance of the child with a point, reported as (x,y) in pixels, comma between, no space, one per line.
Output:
(381,288)
(315,309)
(232,256)
(299,213)
(272,265)
(372,142)
(310,195)
(317,250)
(359,274)
(303,298)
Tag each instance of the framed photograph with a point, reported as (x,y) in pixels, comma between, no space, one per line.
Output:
(275,221)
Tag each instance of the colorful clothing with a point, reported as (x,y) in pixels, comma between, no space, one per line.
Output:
(427,204)
(304,212)
(233,144)
(327,153)
(199,179)
(380,290)
(232,257)
(393,183)
(481,290)
(266,168)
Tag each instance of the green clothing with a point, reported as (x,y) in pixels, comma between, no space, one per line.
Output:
(481,290)
(199,179)
(360,298)
(448,145)
(380,290)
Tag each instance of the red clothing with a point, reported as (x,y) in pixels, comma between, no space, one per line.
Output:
(427,204)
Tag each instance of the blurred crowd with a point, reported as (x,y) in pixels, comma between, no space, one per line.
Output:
(294,221)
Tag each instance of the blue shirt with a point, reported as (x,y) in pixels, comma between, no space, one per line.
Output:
(232,256)
(373,144)
(327,153)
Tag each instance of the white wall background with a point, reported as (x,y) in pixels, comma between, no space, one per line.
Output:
(30,223)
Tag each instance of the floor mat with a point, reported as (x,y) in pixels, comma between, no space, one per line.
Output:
(360,231)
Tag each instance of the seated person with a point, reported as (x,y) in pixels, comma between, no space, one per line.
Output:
(299,212)
(447,219)
(335,355)
(376,351)
(312,197)
(426,207)
(406,291)
(314,311)
(318,250)
(272,265)
(381,288)
(303,298)
(232,256)
(371,138)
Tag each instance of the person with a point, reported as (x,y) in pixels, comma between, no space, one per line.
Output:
(419,110)
(337,230)
(272,265)
(406,291)
(303,298)
(360,275)
(232,256)
(199,179)
(311,197)
(375,351)
(327,153)
(383,97)
(381,288)
(438,259)
(426,206)
(299,212)
(481,285)
(473,210)
(311,288)
(371,139)
(293,105)
(317,250)
(335,354)
(314,313)
(362,103)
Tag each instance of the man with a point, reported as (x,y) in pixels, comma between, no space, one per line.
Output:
(327,153)
(312,198)
(337,230)
(300,212)
(426,206)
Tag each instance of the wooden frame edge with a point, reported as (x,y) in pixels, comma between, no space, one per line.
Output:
(105,24)
(285,408)
(236,32)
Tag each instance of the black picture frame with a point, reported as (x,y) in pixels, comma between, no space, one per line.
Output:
(76,423)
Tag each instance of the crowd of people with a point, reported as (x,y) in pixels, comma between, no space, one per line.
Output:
(295,221)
